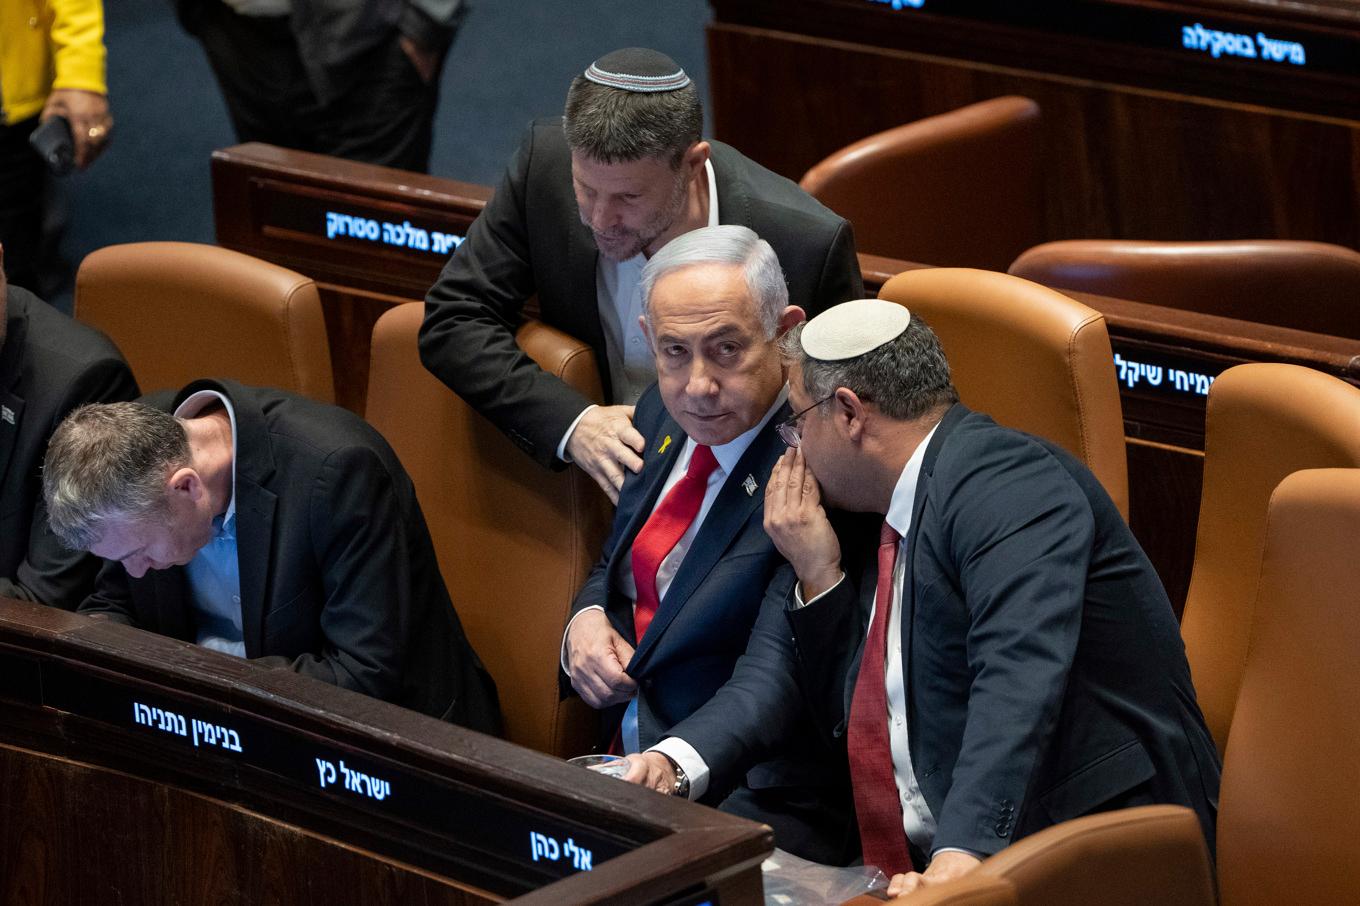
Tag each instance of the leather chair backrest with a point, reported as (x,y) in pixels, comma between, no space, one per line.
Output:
(181,311)
(1264,421)
(1149,855)
(962,189)
(1028,356)
(1304,285)
(515,541)
(1291,786)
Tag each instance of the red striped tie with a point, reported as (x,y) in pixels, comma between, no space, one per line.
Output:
(663,530)
(877,802)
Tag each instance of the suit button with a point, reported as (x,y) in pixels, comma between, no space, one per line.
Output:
(1002,829)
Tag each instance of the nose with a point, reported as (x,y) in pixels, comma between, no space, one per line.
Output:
(702,382)
(136,566)
(603,215)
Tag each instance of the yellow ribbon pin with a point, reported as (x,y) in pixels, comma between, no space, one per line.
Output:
(664,444)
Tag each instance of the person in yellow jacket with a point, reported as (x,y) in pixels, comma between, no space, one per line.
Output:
(51,64)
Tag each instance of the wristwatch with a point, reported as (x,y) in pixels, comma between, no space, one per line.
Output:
(681,787)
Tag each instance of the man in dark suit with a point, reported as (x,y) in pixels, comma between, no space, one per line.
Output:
(669,609)
(583,204)
(49,365)
(268,526)
(1009,660)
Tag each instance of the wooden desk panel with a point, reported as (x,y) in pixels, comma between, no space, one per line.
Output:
(173,774)
(1139,142)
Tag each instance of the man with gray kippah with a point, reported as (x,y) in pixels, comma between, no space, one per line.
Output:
(1008,658)
(267,526)
(585,202)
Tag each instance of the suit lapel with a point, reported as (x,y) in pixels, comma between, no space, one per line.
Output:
(658,460)
(11,367)
(729,513)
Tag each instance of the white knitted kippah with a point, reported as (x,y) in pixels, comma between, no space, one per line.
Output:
(853,328)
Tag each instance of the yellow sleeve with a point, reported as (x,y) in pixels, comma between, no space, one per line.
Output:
(77,38)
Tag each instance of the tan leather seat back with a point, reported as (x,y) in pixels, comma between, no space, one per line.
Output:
(1264,421)
(1291,778)
(1304,285)
(1028,356)
(962,189)
(181,311)
(515,541)
(1135,857)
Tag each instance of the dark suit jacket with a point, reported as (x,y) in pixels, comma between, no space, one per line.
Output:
(338,573)
(701,631)
(530,240)
(49,365)
(1046,674)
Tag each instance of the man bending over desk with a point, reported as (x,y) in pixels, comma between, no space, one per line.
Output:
(267,526)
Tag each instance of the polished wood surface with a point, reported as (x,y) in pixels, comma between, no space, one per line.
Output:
(1138,143)
(272,203)
(105,802)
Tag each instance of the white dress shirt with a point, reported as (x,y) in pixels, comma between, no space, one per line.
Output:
(214,574)
(727,455)
(618,293)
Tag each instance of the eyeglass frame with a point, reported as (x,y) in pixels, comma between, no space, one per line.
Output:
(789,431)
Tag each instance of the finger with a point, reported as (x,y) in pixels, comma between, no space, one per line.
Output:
(637,771)
(904,884)
(633,438)
(605,484)
(625,456)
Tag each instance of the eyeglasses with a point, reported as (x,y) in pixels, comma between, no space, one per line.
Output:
(788,429)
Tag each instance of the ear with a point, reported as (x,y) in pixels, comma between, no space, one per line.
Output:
(850,413)
(186,482)
(695,158)
(791,317)
(646,330)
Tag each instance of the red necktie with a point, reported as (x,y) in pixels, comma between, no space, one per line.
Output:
(663,530)
(878,804)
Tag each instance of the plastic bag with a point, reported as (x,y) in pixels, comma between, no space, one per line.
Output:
(791,881)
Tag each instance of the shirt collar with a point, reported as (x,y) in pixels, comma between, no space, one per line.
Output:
(194,404)
(730,453)
(904,494)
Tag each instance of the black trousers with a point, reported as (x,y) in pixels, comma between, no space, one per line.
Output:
(386,118)
(22,181)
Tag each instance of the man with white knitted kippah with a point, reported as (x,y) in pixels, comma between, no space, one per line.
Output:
(584,203)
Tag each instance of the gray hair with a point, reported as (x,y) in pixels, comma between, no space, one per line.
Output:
(905,378)
(109,461)
(726,244)
(612,125)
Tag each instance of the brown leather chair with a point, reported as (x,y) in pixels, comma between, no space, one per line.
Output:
(1291,788)
(1304,285)
(961,189)
(1028,356)
(181,311)
(970,890)
(515,541)
(1149,855)
(1264,421)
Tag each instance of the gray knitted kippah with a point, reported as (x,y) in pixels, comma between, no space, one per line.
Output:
(637,69)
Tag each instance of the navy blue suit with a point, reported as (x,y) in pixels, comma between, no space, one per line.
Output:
(701,630)
(1046,677)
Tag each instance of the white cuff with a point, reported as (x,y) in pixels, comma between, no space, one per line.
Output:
(799,603)
(683,754)
(957,849)
(567,634)
(562,444)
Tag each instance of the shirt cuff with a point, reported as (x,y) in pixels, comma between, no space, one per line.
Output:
(957,849)
(562,444)
(683,754)
(567,634)
(799,603)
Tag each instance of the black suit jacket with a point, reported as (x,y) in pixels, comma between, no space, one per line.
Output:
(702,628)
(49,365)
(338,573)
(530,240)
(1046,677)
